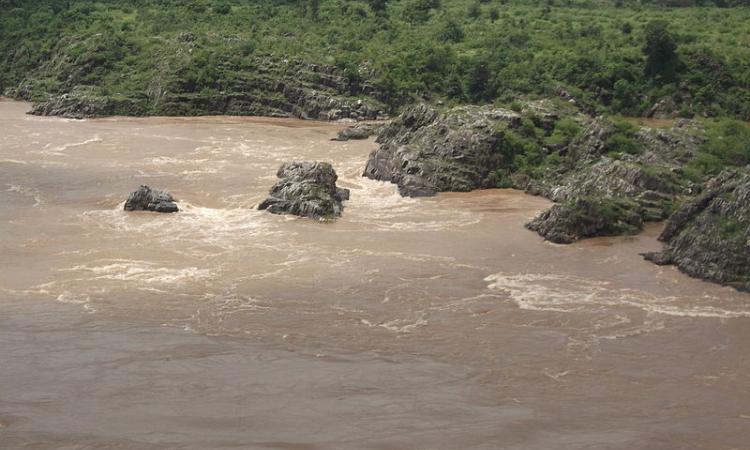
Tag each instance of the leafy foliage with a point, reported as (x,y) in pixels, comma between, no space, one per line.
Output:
(610,57)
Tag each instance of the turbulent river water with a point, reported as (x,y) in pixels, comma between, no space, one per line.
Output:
(436,323)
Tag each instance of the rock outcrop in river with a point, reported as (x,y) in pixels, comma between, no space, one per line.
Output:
(709,236)
(605,180)
(147,199)
(306,189)
(424,152)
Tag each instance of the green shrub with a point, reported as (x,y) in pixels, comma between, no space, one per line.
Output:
(727,144)
(622,140)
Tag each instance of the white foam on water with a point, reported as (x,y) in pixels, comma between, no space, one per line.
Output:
(60,150)
(27,192)
(220,227)
(142,272)
(75,299)
(563,293)
(400,326)
(379,205)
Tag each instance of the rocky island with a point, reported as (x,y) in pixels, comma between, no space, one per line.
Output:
(306,189)
(147,199)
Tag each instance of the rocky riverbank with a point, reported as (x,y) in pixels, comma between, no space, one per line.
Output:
(709,236)
(273,88)
(606,177)
(593,168)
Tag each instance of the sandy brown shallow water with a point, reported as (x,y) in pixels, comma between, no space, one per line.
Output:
(409,324)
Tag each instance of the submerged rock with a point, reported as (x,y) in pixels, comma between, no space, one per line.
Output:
(306,189)
(358,132)
(709,237)
(147,199)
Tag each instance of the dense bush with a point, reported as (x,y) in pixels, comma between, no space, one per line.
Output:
(619,58)
(728,144)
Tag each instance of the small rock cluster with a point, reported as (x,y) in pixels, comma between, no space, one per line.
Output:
(306,189)
(147,199)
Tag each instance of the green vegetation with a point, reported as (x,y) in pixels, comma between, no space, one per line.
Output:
(621,141)
(610,57)
(727,144)
(608,216)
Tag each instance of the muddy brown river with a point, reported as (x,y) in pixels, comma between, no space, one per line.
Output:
(436,323)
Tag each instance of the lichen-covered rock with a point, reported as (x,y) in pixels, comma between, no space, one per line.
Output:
(709,237)
(587,217)
(306,189)
(147,199)
(424,151)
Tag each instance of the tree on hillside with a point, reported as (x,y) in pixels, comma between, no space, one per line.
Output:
(661,51)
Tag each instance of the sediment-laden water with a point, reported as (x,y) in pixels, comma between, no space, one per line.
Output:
(436,323)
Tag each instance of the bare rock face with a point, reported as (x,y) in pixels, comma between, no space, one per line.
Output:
(709,237)
(306,189)
(147,199)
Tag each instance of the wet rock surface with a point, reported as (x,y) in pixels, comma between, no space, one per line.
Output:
(147,199)
(709,236)
(306,189)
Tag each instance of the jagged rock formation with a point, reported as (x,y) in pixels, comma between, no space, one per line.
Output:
(306,189)
(147,199)
(709,236)
(424,152)
(600,188)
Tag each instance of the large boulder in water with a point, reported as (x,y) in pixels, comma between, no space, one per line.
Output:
(425,151)
(709,237)
(147,199)
(306,189)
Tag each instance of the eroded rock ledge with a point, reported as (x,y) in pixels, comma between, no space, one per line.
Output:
(709,236)
(306,189)
(274,88)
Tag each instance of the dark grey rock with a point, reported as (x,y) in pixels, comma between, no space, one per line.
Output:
(306,189)
(147,199)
